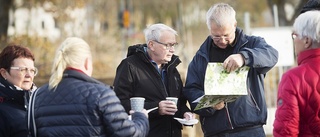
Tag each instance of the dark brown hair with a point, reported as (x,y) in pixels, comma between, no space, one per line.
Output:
(11,52)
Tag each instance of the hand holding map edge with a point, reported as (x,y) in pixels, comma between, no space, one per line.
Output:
(221,85)
(219,106)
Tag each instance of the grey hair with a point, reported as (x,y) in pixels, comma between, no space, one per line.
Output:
(308,25)
(153,32)
(221,14)
(72,53)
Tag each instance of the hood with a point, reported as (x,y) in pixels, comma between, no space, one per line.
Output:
(135,49)
(139,49)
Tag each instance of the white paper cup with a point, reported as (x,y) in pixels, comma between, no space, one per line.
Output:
(174,99)
(137,104)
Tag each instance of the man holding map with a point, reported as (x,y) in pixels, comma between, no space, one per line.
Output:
(228,46)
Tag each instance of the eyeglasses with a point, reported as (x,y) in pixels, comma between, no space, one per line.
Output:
(168,46)
(25,70)
(294,35)
(225,37)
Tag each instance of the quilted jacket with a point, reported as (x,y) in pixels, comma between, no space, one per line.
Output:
(298,107)
(82,106)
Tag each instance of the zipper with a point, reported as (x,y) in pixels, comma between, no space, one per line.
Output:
(165,89)
(160,78)
(254,101)
(167,69)
(164,86)
(251,96)
(228,116)
(173,62)
(176,83)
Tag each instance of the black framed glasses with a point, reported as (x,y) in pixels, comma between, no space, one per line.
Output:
(168,45)
(25,70)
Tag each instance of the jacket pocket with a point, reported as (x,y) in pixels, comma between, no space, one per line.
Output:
(251,101)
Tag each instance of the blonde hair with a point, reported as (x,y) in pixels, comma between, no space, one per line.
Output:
(72,53)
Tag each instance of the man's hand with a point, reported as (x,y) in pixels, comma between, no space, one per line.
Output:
(233,62)
(167,107)
(144,111)
(219,106)
(189,115)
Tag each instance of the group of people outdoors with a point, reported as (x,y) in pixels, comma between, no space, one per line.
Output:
(73,103)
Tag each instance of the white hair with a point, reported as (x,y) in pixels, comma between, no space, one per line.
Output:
(221,14)
(308,25)
(153,32)
(72,53)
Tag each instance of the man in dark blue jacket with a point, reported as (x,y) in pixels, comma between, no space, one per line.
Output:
(229,45)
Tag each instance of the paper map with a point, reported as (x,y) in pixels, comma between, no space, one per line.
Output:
(219,85)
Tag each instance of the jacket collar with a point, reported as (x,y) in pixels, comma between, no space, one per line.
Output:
(138,50)
(71,73)
(308,54)
(9,92)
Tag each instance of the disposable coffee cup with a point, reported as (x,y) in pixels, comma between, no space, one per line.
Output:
(137,104)
(174,99)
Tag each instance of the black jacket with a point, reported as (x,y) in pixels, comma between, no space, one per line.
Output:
(136,76)
(13,121)
(82,106)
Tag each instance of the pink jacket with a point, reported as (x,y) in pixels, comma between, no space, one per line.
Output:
(298,104)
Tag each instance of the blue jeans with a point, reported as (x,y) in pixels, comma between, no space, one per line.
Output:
(254,132)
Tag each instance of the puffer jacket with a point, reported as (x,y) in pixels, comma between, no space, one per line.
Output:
(13,102)
(137,77)
(298,107)
(82,106)
(246,111)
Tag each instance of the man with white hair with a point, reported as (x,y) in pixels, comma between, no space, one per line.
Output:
(298,103)
(229,45)
(150,71)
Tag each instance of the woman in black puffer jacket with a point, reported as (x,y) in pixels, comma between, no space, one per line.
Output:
(74,104)
(16,84)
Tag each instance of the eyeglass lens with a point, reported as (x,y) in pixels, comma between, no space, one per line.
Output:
(25,70)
